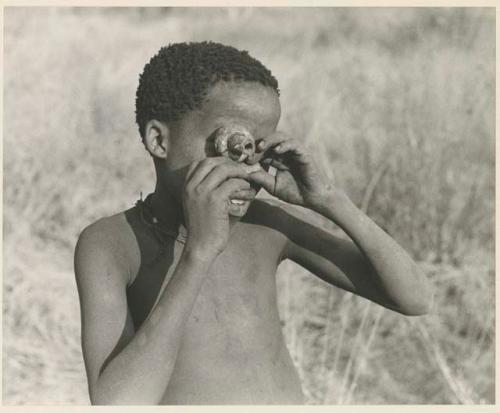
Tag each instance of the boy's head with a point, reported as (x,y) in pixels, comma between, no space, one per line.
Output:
(188,90)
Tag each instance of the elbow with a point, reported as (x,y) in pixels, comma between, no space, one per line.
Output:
(417,309)
(421,304)
(421,299)
(428,305)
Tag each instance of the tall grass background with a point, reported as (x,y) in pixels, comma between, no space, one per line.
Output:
(398,106)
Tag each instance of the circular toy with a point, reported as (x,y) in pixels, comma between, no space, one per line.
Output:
(237,143)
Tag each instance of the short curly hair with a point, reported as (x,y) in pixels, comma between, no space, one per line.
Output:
(176,80)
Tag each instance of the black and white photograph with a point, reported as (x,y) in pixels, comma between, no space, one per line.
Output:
(248,206)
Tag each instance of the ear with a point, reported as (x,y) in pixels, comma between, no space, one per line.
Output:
(156,135)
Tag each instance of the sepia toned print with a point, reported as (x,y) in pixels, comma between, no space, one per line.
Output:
(396,109)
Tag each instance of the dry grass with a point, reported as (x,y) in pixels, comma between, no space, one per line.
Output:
(397,104)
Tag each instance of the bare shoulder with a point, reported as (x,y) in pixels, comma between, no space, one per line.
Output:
(110,242)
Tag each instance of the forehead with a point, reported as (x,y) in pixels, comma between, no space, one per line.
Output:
(249,103)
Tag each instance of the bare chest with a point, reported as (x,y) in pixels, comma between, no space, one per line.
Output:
(240,280)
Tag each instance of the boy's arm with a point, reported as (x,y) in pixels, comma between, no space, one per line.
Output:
(123,365)
(372,265)
(127,367)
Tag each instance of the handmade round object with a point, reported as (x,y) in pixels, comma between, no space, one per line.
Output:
(235,142)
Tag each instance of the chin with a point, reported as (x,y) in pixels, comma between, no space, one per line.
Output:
(239,211)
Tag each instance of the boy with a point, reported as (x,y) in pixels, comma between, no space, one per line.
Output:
(178,295)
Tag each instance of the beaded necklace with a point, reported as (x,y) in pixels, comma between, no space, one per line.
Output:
(148,217)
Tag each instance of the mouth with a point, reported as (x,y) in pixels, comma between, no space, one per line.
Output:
(238,207)
(236,201)
(243,198)
(240,202)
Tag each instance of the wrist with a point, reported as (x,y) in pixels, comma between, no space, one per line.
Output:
(330,198)
(336,206)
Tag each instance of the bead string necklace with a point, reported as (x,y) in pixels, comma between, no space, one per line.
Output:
(150,220)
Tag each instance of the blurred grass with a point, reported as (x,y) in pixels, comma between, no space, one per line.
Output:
(398,104)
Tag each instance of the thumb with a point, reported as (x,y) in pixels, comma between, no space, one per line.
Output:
(266,180)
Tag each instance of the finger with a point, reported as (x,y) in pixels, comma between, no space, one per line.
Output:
(191,169)
(287,147)
(275,163)
(271,140)
(245,194)
(278,164)
(232,187)
(203,168)
(188,186)
(222,173)
(264,179)
(291,153)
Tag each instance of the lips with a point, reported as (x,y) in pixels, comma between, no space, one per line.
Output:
(237,201)
(238,207)
(242,199)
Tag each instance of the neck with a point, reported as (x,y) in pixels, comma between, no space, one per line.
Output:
(165,207)
(169,211)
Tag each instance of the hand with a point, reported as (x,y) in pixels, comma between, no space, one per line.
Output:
(298,180)
(208,186)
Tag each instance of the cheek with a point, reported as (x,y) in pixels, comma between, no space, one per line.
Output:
(179,159)
(184,153)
